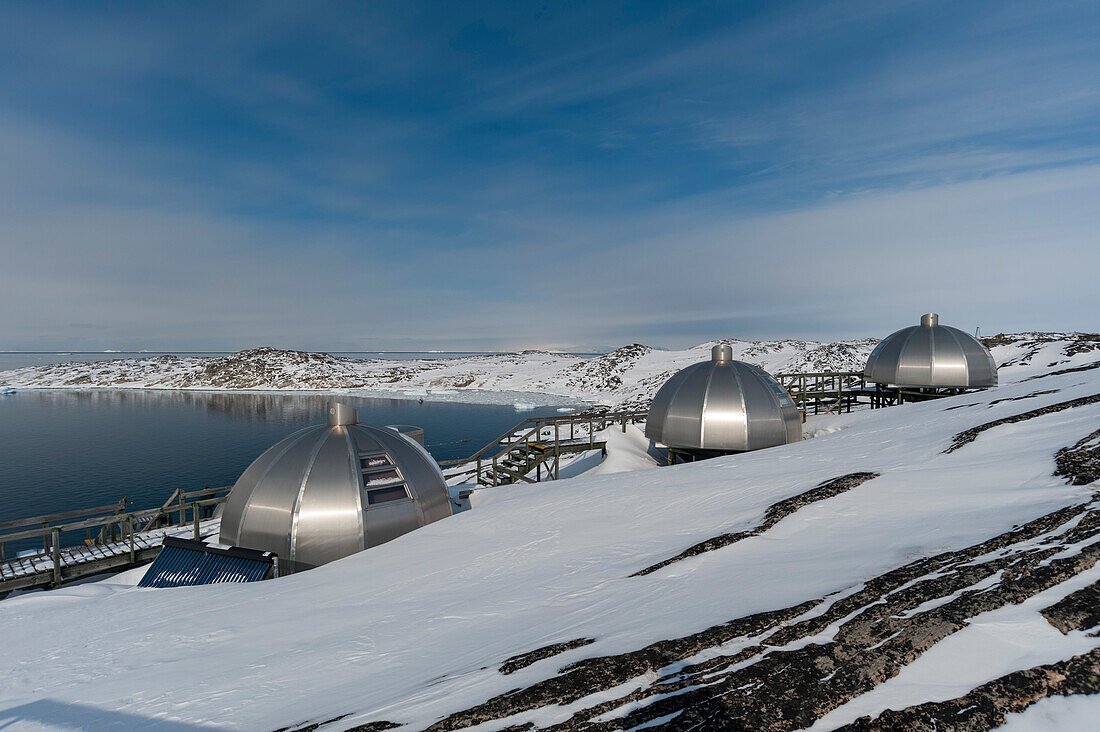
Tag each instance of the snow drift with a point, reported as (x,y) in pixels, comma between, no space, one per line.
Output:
(937,559)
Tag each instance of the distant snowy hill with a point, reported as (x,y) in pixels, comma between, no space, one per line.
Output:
(629,375)
(929,566)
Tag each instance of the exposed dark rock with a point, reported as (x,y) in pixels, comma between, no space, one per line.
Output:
(515,663)
(310,727)
(1032,395)
(967,436)
(788,671)
(773,515)
(1060,372)
(985,707)
(1080,463)
(604,373)
(1077,611)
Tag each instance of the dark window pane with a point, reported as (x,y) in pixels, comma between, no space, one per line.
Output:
(374,461)
(381,477)
(382,495)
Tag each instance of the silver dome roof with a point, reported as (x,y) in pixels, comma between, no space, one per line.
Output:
(723,404)
(931,355)
(331,490)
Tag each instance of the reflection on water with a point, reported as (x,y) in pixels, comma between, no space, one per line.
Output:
(61,450)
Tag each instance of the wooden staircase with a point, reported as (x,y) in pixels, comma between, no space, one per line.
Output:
(536,445)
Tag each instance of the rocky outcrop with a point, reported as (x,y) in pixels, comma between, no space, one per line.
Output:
(1080,464)
(772,515)
(967,436)
(985,707)
(515,663)
(784,669)
(1077,611)
(605,373)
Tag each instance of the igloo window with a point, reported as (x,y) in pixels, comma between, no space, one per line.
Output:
(381,477)
(385,495)
(374,461)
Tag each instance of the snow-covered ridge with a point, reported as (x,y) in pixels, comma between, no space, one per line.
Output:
(939,559)
(629,375)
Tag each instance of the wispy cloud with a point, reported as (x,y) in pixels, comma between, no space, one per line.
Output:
(342,176)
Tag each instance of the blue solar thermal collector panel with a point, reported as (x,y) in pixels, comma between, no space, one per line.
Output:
(184,562)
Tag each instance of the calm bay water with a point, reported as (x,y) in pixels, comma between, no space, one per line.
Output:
(61,450)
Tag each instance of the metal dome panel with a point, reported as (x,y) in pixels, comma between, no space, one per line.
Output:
(931,355)
(724,405)
(332,490)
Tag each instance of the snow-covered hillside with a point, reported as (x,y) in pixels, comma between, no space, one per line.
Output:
(936,559)
(627,375)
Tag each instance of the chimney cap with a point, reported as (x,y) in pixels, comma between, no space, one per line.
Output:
(342,415)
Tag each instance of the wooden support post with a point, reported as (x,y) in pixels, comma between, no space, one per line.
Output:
(56,535)
(181,509)
(130,528)
(479,477)
(195,514)
(45,538)
(495,476)
(591,434)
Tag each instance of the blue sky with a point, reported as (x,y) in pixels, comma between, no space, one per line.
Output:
(480,175)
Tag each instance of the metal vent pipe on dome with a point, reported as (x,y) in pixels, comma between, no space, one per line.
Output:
(723,405)
(931,355)
(331,490)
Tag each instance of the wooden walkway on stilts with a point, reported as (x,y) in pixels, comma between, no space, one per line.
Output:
(114,538)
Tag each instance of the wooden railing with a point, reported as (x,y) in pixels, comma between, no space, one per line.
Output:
(832,390)
(113,521)
(531,431)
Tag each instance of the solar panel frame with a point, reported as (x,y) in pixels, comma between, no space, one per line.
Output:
(185,563)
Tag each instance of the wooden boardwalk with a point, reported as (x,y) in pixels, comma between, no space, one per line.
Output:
(80,561)
(121,539)
(536,445)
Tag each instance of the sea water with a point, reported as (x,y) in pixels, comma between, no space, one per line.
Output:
(65,450)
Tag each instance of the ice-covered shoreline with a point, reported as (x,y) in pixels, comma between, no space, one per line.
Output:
(627,376)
